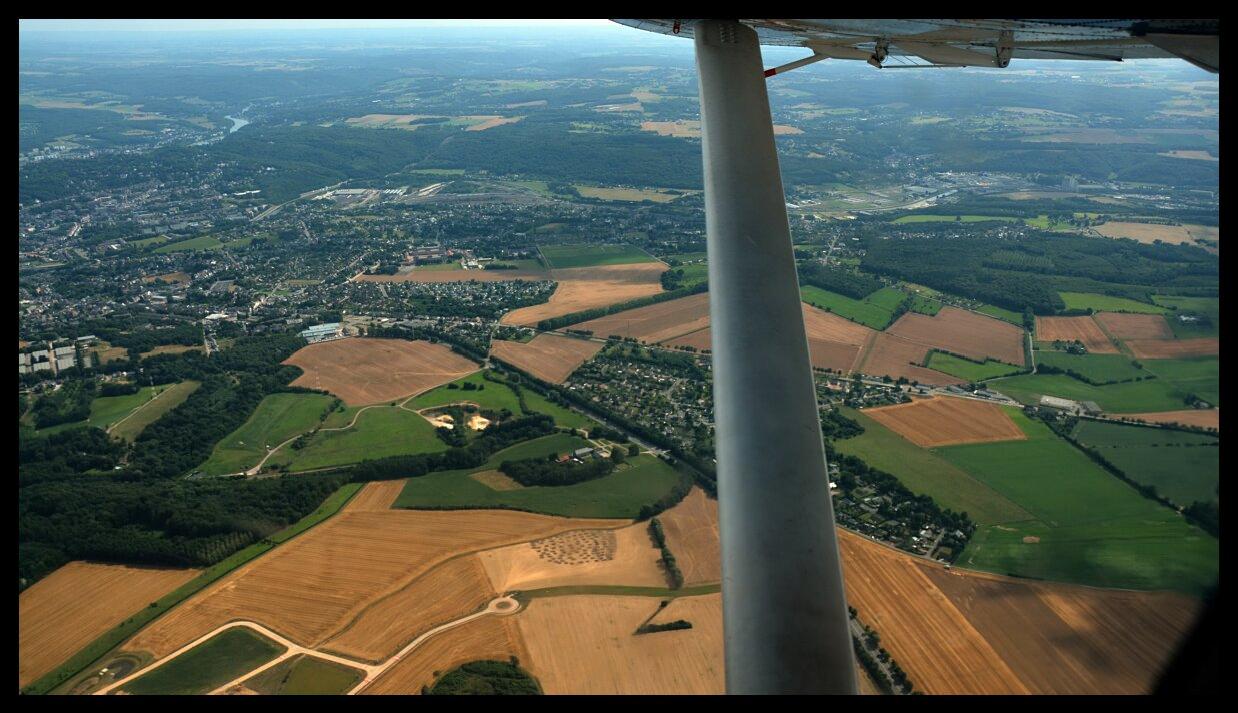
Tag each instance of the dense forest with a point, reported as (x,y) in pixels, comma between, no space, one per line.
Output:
(83,495)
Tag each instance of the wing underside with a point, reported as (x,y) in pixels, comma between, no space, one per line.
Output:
(982,43)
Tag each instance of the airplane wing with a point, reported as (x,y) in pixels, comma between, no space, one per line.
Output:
(983,43)
(785,622)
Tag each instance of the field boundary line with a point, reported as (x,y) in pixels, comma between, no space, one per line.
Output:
(146,403)
(45,685)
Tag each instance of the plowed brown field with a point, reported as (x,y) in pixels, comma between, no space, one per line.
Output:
(958,631)
(966,632)
(70,607)
(576,558)
(655,323)
(367,371)
(893,356)
(1174,348)
(691,529)
(946,421)
(1207,418)
(550,357)
(586,644)
(833,342)
(488,637)
(1134,326)
(962,332)
(447,592)
(582,288)
(311,588)
(1069,329)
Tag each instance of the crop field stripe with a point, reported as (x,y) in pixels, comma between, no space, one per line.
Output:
(109,641)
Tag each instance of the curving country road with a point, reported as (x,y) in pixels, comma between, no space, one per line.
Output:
(500,606)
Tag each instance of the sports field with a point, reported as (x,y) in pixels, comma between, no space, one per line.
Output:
(1089,527)
(277,418)
(1107,303)
(621,494)
(874,311)
(565,256)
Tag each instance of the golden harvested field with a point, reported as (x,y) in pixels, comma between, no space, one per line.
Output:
(657,195)
(946,421)
(586,645)
(1174,348)
(691,530)
(827,326)
(495,480)
(550,357)
(375,497)
(962,332)
(1207,418)
(387,121)
(367,371)
(1125,325)
(1203,232)
(447,592)
(582,288)
(69,608)
(894,356)
(625,556)
(1145,232)
(456,276)
(311,588)
(655,323)
(957,631)
(1069,329)
(488,637)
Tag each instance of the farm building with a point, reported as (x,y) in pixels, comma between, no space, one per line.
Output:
(323,332)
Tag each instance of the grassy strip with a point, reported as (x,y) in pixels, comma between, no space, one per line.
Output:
(621,591)
(100,647)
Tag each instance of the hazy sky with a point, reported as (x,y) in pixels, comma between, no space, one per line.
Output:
(200,25)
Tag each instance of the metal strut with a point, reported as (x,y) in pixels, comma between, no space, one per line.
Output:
(785,614)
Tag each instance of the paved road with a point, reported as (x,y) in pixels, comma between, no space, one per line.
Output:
(501,606)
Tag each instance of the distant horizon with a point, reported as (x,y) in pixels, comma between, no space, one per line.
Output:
(41,26)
